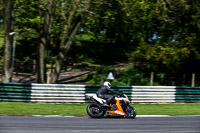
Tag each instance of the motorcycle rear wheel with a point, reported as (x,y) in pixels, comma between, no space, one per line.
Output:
(130,112)
(94,111)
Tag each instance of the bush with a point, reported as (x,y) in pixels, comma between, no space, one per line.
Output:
(128,76)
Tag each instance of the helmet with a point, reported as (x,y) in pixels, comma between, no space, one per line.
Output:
(107,84)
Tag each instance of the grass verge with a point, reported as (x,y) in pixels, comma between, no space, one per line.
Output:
(17,108)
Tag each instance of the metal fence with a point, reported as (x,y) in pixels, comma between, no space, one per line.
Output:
(61,93)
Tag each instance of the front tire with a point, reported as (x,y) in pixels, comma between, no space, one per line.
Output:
(94,111)
(130,112)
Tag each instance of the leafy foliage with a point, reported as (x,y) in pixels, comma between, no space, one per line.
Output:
(128,76)
(156,35)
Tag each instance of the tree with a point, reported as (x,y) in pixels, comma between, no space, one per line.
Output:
(45,41)
(74,21)
(39,26)
(8,28)
(159,26)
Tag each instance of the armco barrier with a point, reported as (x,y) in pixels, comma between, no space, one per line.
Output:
(165,94)
(60,93)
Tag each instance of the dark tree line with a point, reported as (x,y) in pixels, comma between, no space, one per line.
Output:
(156,35)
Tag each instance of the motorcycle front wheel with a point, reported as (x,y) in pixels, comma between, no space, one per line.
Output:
(130,112)
(94,111)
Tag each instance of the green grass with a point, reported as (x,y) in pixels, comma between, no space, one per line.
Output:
(168,109)
(84,37)
(12,108)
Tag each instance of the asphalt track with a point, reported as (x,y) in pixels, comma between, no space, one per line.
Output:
(179,124)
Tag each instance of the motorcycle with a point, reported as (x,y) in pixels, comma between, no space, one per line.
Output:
(118,107)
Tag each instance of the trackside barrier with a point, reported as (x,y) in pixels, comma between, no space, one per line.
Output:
(62,93)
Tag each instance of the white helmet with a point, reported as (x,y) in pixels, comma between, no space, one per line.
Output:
(107,84)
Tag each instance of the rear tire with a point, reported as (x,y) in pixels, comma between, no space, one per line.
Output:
(130,112)
(94,111)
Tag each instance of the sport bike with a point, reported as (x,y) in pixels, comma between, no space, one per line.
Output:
(118,107)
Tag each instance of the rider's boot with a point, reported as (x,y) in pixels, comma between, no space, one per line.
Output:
(108,101)
(106,104)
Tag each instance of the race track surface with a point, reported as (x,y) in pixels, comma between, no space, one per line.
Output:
(179,124)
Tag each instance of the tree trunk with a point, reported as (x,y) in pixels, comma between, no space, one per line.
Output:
(8,28)
(45,41)
(67,40)
(61,55)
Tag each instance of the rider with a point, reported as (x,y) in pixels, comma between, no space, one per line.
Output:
(103,93)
